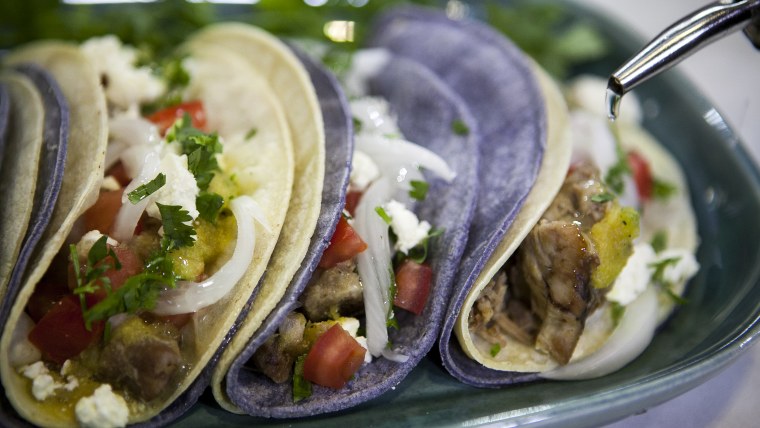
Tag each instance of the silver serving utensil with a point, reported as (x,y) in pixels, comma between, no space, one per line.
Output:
(681,39)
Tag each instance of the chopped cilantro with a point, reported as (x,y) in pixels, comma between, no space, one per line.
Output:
(208,205)
(176,78)
(383,215)
(617,312)
(301,386)
(420,251)
(357,125)
(94,278)
(251,133)
(177,233)
(147,189)
(419,189)
(614,177)
(137,293)
(659,241)
(495,349)
(460,128)
(201,149)
(678,300)
(658,277)
(662,189)
(391,321)
(602,197)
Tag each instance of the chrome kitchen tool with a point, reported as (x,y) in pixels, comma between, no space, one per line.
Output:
(681,39)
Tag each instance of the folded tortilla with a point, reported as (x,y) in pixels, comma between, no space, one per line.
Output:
(236,100)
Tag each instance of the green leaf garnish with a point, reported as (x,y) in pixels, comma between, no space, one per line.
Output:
(659,241)
(419,189)
(390,318)
(420,251)
(383,215)
(301,386)
(614,177)
(147,189)
(662,189)
(602,197)
(209,205)
(617,312)
(252,133)
(460,128)
(201,149)
(357,125)
(177,233)
(658,278)
(495,349)
(93,280)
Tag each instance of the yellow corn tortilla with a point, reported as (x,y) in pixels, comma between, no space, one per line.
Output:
(236,100)
(19,177)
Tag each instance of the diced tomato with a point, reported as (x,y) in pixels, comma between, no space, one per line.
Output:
(131,265)
(413,282)
(102,215)
(61,333)
(642,175)
(352,200)
(165,118)
(46,294)
(119,173)
(333,359)
(344,245)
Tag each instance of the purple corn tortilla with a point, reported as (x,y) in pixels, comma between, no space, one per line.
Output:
(426,109)
(495,80)
(4,119)
(339,146)
(50,170)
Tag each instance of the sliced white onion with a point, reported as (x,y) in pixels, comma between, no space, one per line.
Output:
(374,264)
(125,132)
(192,296)
(389,153)
(129,213)
(627,341)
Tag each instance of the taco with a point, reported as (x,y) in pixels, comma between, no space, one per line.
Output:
(137,286)
(323,309)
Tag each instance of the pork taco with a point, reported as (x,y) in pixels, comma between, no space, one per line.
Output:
(175,191)
(398,193)
(595,262)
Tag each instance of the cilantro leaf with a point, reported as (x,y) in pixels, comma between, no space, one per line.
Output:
(177,233)
(201,149)
(209,204)
(251,133)
(659,241)
(301,386)
(357,125)
(147,189)
(617,312)
(614,176)
(390,317)
(94,279)
(419,189)
(658,278)
(495,349)
(137,293)
(420,251)
(662,189)
(460,128)
(602,197)
(383,215)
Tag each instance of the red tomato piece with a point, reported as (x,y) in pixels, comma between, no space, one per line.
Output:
(642,175)
(61,333)
(102,215)
(333,359)
(413,281)
(344,245)
(165,118)
(352,200)
(46,294)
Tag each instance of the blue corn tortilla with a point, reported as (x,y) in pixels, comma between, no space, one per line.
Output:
(496,81)
(4,119)
(49,169)
(426,109)
(339,147)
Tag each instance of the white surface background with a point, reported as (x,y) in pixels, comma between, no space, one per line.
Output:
(728,74)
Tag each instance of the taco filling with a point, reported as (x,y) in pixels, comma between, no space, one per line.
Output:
(596,249)
(116,322)
(376,260)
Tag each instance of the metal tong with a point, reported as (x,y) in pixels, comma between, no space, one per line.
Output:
(683,38)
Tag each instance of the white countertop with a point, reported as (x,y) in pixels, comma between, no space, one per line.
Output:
(726,72)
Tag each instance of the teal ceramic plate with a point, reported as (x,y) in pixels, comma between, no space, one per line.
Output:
(720,320)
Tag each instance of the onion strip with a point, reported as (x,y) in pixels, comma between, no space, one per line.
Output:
(192,296)
(129,213)
(392,154)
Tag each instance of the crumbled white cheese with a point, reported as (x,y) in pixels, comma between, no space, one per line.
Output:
(180,188)
(363,342)
(363,171)
(43,384)
(407,227)
(72,383)
(65,367)
(126,86)
(110,183)
(103,409)
(88,240)
(635,276)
